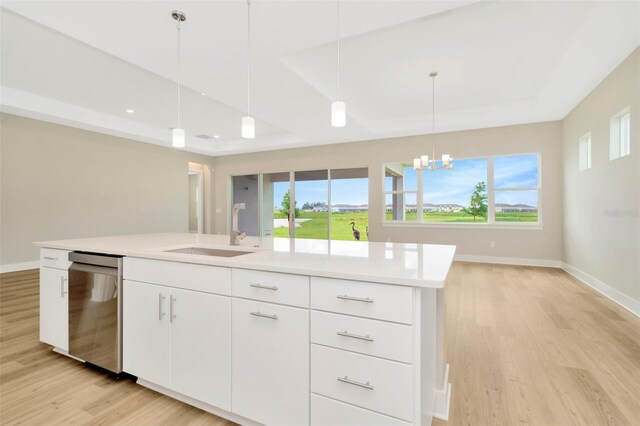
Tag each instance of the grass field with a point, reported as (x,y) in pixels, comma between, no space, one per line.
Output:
(340,226)
(316,227)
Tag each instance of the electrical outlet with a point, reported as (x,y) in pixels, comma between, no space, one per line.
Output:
(492,244)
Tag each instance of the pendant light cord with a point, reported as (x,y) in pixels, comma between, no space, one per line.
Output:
(249,57)
(178,79)
(433,118)
(338,37)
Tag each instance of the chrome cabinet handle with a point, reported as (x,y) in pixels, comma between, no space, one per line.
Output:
(50,258)
(356,299)
(62,292)
(264,287)
(355,336)
(171,300)
(346,379)
(160,313)
(260,314)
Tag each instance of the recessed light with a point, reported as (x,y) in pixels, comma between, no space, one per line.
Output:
(203,94)
(216,136)
(129,111)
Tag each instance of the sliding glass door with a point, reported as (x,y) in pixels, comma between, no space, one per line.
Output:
(313,204)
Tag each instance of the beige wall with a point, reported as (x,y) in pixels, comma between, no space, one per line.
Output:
(602,204)
(59,182)
(545,138)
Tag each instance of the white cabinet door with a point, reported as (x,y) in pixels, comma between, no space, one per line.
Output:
(270,363)
(201,346)
(54,305)
(146,333)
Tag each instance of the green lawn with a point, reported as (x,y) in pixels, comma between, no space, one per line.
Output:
(340,226)
(341,229)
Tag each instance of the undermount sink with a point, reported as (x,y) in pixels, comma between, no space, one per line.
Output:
(202,251)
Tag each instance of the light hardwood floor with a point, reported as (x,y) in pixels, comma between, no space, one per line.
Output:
(525,346)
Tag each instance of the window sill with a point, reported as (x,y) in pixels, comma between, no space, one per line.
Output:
(444,225)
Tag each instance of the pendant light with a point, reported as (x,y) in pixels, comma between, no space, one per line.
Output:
(178,136)
(338,108)
(423,161)
(248,122)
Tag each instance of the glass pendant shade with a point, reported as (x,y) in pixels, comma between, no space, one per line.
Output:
(424,160)
(445,159)
(338,114)
(417,164)
(178,138)
(248,127)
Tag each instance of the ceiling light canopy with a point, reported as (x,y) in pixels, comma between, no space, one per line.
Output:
(178,135)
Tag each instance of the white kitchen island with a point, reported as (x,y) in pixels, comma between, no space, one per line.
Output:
(295,332)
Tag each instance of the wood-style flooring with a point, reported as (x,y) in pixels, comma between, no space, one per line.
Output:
(526,346)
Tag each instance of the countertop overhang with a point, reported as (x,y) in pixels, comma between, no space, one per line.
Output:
(407,264)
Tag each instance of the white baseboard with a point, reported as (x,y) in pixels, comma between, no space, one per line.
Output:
(546,263)
(606,290)
(13,267)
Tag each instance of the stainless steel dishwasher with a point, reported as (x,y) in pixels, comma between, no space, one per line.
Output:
(95,309)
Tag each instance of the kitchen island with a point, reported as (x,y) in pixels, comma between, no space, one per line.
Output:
(275,331)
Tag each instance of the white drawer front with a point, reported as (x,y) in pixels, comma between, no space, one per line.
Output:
(285,289)
(329,412)
(371,337)
(378,301)
(54,258)
(368,382)
(190,276)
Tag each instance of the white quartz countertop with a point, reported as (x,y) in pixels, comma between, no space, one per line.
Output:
(416,265)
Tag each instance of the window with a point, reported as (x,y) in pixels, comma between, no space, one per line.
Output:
(477,190)
(620,134)
(584,152)
(400,191)
(516,185)
(447,194)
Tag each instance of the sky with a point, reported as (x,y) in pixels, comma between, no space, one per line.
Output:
(440,187)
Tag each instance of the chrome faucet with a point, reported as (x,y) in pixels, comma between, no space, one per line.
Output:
(235,236)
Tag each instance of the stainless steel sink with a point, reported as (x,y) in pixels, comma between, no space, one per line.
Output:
(202,251)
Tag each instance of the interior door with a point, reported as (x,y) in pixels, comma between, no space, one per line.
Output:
(146,332)
(201,346)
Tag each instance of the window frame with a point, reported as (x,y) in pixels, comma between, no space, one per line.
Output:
(619,148)
(491,192)
(584,141)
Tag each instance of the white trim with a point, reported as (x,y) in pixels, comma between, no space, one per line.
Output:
(23,266)
(443,399)
(606,290)
(520,261)
(198,404)
(523,226)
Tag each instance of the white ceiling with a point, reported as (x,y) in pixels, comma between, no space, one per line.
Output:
(82,63)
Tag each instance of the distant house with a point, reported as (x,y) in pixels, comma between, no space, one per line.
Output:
(515,208)
(428,207)
(341,208)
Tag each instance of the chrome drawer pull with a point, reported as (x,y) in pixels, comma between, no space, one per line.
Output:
(50,258)
(264,287)
(357,299)
(160,313)
(355,336)
(171,300)
(346,379)
(260,314)
(62,292)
